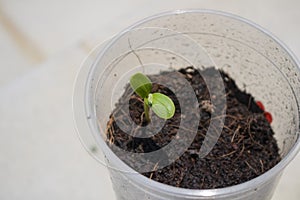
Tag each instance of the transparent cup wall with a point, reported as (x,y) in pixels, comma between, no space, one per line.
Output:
(257,62)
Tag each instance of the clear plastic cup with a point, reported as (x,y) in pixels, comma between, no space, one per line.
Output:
(257,61)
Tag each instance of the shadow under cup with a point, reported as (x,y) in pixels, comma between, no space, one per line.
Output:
(258,62)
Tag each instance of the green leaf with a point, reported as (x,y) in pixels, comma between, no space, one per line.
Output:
(162,105)
(141,84)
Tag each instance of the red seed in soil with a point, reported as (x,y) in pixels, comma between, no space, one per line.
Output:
(268,116)
(260,105)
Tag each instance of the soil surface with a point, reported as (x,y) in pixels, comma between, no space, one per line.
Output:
(245,149)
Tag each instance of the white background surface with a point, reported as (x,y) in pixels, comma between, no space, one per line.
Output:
(42,44)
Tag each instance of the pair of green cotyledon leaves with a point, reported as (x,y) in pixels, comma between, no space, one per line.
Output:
(161,104)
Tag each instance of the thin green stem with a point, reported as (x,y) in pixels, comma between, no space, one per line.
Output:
(146,110)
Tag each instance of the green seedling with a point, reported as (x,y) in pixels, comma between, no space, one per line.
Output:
(161,104)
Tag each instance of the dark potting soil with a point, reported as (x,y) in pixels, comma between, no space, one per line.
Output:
(245,149)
